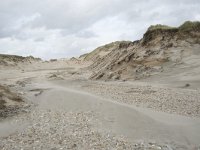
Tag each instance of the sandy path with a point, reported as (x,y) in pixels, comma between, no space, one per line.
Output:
(68,118)
(123,119)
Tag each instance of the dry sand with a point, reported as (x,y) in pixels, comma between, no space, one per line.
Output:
(71,112)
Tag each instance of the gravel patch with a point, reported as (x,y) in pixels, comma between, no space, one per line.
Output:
(66,130)
(171,100)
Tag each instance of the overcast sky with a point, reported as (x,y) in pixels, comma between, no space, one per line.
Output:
(66,28)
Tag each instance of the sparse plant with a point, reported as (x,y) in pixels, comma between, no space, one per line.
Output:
(187,85)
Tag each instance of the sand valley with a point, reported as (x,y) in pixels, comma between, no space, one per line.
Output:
(142,95)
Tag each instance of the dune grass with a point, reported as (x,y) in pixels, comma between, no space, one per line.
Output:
(161,27)
(186,26)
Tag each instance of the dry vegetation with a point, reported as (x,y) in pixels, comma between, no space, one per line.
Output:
(13,60)
(9,101)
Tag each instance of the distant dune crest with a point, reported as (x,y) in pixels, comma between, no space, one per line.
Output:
(13,60)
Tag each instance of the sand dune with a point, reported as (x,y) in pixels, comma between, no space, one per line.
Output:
(56,105)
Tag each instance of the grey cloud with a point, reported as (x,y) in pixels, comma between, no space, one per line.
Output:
(86,34)
(72,16)
(54,25)
(39,39)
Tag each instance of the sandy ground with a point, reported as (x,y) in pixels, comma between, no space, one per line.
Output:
(71,112)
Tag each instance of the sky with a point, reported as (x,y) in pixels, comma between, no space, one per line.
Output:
(66,28)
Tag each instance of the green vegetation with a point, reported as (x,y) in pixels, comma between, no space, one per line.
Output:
(188,26)
(15,58)
(161,27)
(10,57)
